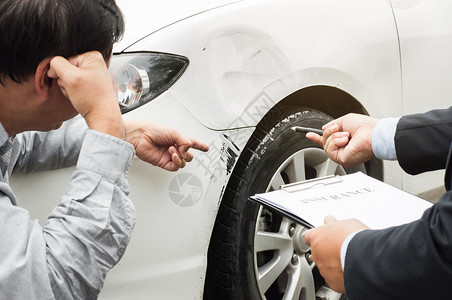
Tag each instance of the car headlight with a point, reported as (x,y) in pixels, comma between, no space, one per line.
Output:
(140,77)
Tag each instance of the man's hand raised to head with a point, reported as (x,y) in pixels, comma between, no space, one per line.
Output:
(85,81)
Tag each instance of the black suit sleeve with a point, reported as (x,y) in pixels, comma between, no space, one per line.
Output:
(422,140)
(413,261)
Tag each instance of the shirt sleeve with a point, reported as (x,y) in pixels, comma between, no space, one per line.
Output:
(83,238)
(344,247)
(50,150)
(383,144)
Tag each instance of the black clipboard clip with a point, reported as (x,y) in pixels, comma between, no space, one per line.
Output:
(310,183)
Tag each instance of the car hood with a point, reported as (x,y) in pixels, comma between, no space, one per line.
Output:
(143,17)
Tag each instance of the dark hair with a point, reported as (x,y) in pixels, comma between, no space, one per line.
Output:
(33,30)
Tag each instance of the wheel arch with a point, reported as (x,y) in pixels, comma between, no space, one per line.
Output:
(336,103)
(331,91)
(330,100)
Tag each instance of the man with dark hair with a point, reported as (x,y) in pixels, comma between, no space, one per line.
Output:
(53,57)
(35,30)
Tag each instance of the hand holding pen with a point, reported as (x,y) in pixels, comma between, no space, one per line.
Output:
(347,140)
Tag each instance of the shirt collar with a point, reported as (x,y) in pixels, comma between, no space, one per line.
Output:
(3,135)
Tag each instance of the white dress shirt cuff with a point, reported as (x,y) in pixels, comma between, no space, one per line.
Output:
(383,139)
(345,246)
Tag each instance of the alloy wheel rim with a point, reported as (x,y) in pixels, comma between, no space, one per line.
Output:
(279,257)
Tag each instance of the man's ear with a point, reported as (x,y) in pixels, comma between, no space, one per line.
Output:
(43,82)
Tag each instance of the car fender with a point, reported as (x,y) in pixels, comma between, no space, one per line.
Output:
(243,56)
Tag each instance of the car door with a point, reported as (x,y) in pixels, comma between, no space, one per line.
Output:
(425,35)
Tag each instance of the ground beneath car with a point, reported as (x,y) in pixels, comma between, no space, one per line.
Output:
(433,195)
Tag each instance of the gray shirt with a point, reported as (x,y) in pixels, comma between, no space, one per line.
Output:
(85,235)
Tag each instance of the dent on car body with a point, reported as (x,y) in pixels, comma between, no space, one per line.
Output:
(242,62)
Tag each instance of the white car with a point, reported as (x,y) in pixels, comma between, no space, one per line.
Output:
(237,75)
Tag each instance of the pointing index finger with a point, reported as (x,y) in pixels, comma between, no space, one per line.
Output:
(194,144)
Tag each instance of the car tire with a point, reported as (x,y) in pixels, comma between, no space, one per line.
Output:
(235,265)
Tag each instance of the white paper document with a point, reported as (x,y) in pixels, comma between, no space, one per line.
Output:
(376,204)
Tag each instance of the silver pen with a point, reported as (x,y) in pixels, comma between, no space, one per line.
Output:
(307,129)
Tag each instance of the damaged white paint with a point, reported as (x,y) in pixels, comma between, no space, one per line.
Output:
(243,51)
(242,62)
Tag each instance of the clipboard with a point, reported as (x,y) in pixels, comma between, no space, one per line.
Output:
(357,195)
(308,184)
